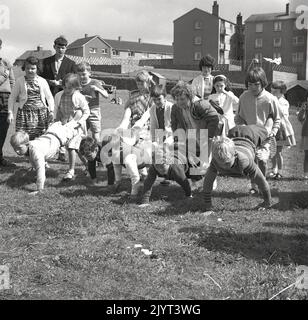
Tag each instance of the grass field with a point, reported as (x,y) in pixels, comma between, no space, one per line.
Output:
(78,242)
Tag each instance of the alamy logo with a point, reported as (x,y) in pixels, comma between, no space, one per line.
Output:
(302,20)
(4,278)
(4,17)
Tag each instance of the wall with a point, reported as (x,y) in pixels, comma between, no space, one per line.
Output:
(284,76)
(78,52)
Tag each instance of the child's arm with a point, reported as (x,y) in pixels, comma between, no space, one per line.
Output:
(37,159)
(252,170)
(12,100)
(98,88)
(84,107)
(276,117)
(209,114)
(177,174)
(208,182)
(239,120)
(143,120)
(49,97)
(148,184)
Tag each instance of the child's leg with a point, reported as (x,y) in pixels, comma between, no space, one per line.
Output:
(275,163)
(178,174)
(279,158)
(117,172)
(110,174)
(72,159)
(148,184)
(131,165)
(96,137)
(306,164)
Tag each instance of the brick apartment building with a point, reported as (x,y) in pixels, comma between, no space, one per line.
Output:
(197,33)
(275,35)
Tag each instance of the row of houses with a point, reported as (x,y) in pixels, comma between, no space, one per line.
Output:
(198,32)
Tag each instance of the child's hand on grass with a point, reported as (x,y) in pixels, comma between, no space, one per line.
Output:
(144,205)
(263,206)
(35,193)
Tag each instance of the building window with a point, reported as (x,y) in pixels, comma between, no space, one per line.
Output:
(299,40)
(115,52)
(297,57)
(277,25)
(104,51)
(259,27)
(197,55)
(197,40)
(259,57)
(131,53)
(198,25)
(259,43)
(93,50)
(277,42)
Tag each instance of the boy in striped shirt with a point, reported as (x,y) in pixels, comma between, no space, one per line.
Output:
(235,155)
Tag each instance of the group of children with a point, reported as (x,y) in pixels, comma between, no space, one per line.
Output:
(240,130)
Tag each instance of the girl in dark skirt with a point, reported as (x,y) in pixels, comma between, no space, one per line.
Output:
(31,91)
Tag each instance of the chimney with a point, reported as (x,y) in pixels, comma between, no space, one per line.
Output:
(215,10)
(239,19)
(86,35)
(139,40)
(119,38)
(39,48)
(287,9)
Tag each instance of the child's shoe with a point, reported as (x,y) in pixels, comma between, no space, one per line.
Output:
(70,175)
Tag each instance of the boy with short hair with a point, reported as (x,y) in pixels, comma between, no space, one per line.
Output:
(236,154)
(91,89)
(46,146)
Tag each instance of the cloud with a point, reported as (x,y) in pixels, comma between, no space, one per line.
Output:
(35,22)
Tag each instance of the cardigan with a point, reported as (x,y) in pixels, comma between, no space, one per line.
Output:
(7,79)
(257,110)
(19,93)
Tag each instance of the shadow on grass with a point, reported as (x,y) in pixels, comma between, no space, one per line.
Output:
(292,200)
(22,177)
(293,225)
(283,249)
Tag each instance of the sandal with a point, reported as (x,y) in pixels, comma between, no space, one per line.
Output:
(69,176)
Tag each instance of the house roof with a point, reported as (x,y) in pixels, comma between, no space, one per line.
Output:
(203,12)
(272,16)
(139,47)
(82,41)
(42,54)
(301,83)
(126,45)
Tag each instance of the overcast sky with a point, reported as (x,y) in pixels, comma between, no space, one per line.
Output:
(39,22)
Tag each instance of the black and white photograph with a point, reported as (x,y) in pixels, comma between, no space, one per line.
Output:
(153,154)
